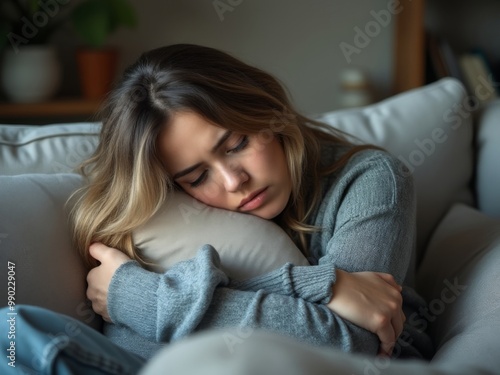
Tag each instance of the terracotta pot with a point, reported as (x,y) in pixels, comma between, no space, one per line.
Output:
(97,68)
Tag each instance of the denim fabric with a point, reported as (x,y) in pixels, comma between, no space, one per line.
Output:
(45,342)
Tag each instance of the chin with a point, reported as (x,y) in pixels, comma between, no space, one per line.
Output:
(271,213)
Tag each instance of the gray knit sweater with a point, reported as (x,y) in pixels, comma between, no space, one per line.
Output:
(368,216)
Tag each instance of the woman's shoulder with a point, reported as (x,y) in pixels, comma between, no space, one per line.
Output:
(371,175)
(366,159)
(378,158)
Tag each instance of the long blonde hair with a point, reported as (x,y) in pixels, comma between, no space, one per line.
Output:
(126,180)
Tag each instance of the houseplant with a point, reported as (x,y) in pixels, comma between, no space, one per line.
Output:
(30,66)
(94,21)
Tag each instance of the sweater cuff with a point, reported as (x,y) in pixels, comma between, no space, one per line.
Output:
(132,299)
(274,282)
(314,283)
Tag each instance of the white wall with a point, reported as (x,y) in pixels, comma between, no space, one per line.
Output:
(297,41)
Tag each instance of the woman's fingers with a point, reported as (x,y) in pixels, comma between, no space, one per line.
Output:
(386,334)
(389,279)
(389,335)
(397,321)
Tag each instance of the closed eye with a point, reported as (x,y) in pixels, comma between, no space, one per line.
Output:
(200,179)
(241,145)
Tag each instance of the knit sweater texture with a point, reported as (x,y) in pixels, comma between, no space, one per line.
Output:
(367,213)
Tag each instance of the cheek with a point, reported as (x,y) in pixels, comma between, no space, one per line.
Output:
(209,193)
(271,159)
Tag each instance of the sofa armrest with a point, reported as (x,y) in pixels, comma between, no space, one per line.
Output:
(459,279)
(35,240)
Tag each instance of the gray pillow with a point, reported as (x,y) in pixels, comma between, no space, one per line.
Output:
(460,280)
(248,245)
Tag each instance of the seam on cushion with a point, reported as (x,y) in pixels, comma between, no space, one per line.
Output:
(41,138)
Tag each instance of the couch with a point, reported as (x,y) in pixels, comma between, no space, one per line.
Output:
(451,149)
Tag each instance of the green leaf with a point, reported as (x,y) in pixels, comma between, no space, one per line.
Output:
(92,22)
(122,13)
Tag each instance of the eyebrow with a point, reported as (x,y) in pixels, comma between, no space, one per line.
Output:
(219,143)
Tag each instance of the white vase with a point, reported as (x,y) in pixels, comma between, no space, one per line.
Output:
(32,74)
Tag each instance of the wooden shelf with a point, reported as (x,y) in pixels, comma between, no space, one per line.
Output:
(56,108)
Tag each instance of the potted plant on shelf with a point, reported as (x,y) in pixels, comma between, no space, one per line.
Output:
(94,21)
(31,71)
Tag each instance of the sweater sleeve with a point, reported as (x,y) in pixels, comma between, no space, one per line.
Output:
(193,295)
(310,283)
(375,224)
(368,224)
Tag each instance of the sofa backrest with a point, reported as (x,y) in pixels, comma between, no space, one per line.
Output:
(57,148)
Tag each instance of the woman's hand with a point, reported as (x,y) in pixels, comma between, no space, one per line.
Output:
(373,301)
(99,278)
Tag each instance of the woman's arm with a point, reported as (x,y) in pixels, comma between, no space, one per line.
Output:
(368,220)
(192,296)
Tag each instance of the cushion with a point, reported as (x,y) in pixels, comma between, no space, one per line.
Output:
(57,148)
(430,130)
(463,313)
(488,156)
(34,236)
(248,245)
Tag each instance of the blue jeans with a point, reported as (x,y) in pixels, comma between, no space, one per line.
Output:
(40,341)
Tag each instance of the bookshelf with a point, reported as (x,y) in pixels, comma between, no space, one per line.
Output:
(58,110)
(453,28)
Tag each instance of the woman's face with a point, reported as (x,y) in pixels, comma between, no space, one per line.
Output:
(223,169)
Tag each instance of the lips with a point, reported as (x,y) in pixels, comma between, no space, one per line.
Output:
(250,197)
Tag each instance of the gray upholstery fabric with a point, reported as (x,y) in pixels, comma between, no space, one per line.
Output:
(57,148)
(460,279)
(36,238)
(247,353)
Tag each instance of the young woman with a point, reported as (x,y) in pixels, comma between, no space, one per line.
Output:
(196,119)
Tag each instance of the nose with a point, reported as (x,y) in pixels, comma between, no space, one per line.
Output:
(233,177)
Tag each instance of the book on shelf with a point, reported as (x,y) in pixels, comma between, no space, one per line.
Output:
(471,68)
(442,58)
(436,57)
(478,77)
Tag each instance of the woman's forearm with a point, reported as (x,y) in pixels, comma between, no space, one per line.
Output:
(193,295)
(310,283)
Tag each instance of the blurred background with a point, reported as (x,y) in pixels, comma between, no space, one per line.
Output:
(330,54)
